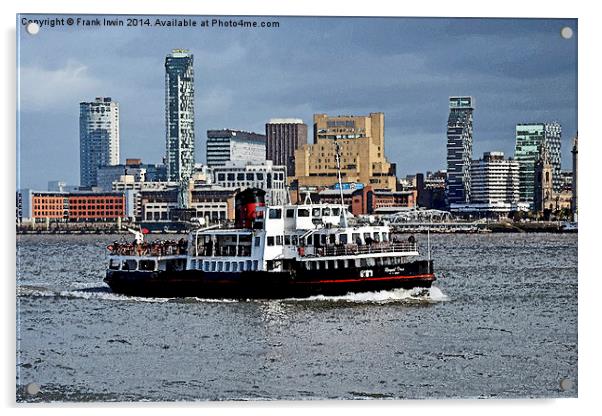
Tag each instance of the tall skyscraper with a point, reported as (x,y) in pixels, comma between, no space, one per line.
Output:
(283,137)
(531,138)
(179,115)
(98,137)
(234,145)
(459,149)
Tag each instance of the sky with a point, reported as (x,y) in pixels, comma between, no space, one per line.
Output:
(517,70)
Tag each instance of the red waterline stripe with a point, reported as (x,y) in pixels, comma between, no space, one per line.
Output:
(364,279)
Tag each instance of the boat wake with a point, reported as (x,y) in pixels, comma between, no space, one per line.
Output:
(415,295)
(86,291)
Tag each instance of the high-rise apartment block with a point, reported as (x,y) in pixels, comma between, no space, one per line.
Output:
(234,145)
(531,139)
(459,149)
(179,115)
(283,137)
(361,144)
(494,182)
(98,137)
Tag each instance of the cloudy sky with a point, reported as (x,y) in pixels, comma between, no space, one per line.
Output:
(516,70)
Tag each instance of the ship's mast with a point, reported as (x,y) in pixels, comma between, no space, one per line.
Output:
(343,208)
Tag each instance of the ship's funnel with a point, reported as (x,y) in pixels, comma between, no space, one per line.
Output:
(246,203)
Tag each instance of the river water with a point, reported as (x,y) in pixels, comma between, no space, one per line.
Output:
(501,322)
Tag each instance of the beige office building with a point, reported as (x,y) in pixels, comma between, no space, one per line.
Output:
(362,149)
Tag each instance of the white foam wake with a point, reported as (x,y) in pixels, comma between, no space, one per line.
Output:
(421,295)
(93,291)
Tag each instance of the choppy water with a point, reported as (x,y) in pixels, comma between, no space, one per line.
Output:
(501,322)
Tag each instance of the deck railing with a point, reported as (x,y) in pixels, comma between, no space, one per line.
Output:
(155,249)
(355,249)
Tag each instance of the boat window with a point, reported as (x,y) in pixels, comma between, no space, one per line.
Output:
(129,265)
(192,264)
(385,236)
(317,265)
(227,266)
(356,238)
(220,266)
(377,237)
(302,212)
(363,263)
(114,264)
(358,263)
(235,267)
(287,240)
(290,213)
(323,239)
(257,241)
(341,264)
(295,240)
(255,265)
(206,266)
(315,212)
(270,241)
(331,238)
(148,265)
(275,213)
(343,238)
(367,238)
(240,176)
(331,264)
(221,177)
(336,212)
(248,265)
(259,176)
(250,176)
(212,266)
(278,240)
(326,212)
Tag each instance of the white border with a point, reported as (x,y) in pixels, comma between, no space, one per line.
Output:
(590,147)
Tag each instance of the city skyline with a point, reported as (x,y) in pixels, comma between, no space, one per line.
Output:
(406,68)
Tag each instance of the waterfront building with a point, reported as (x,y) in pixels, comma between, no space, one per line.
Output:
(283,137)
(234,145)
(241,175)
(72,206)
(213,203)
(431,189)
(459,149)
(106,175)
(494,185)
(179,115)
(98,137)
(361,144)
(367,200)
(531,139)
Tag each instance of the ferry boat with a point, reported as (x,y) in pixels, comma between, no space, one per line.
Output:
(285,251)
